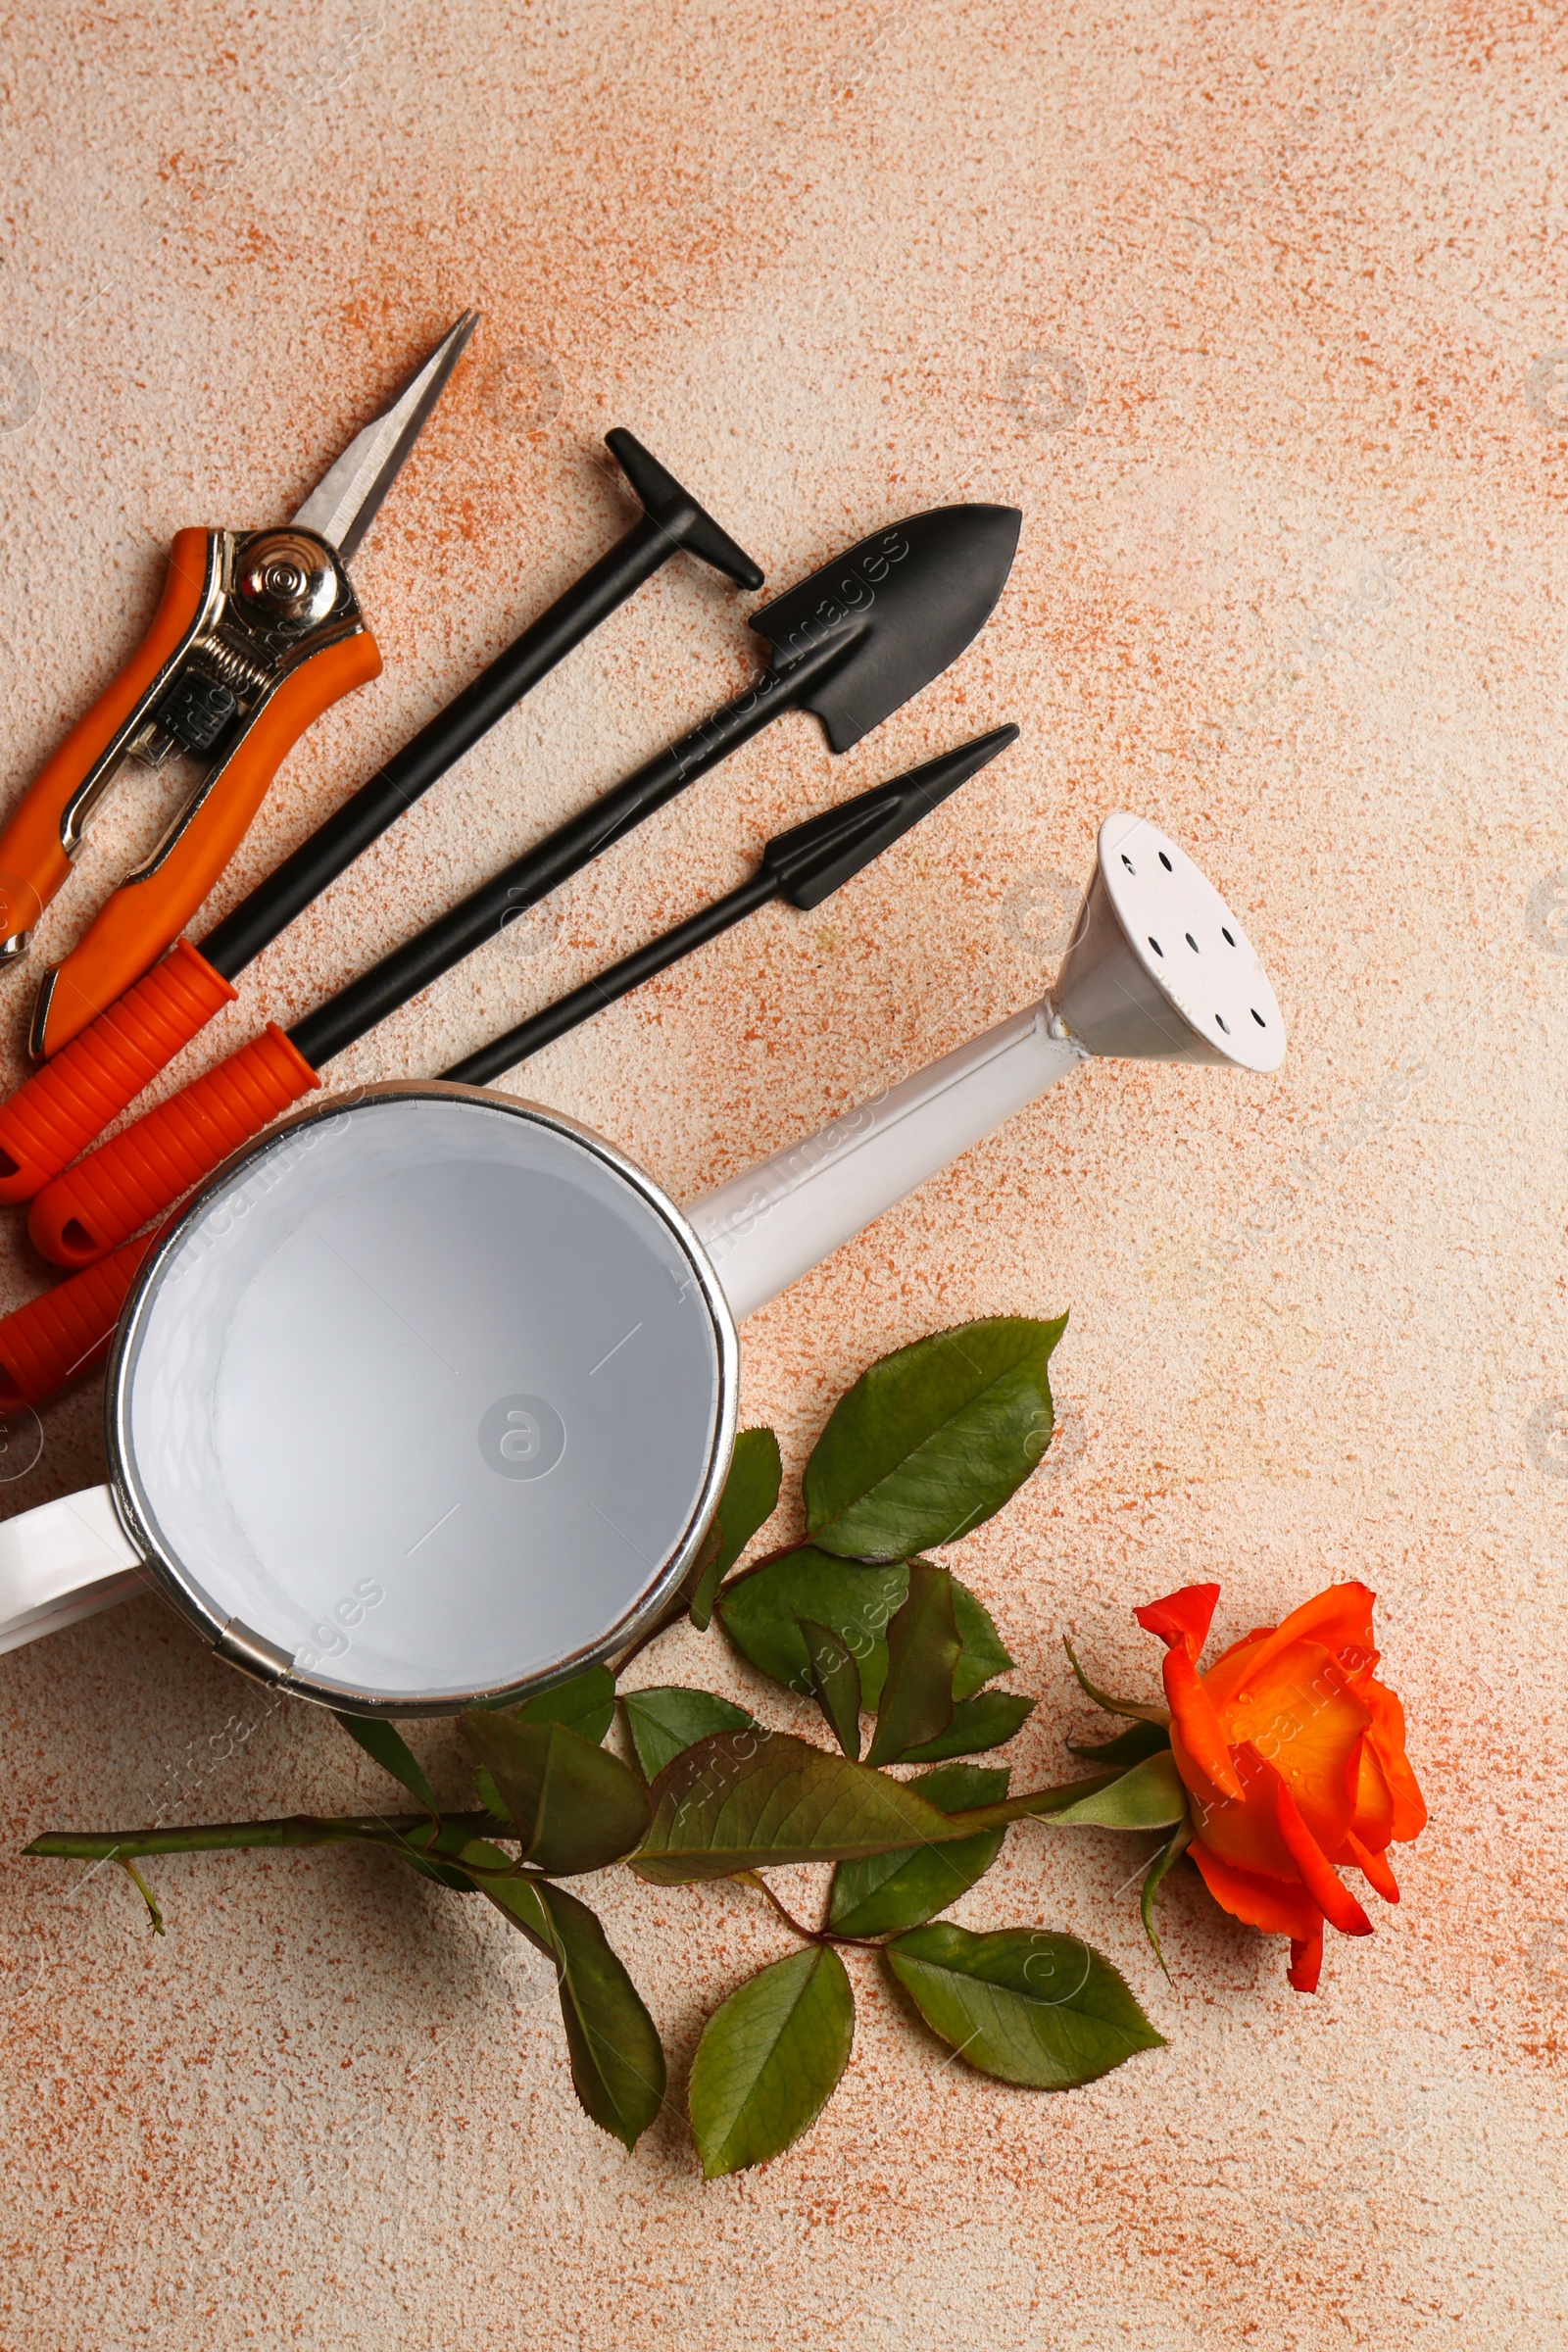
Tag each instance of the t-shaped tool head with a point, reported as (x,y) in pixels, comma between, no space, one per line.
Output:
(677,513)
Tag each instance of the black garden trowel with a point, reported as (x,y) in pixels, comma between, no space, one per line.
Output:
(852,644)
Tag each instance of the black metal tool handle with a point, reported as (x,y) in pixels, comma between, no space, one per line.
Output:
(345,1017)
(804,865)
(671,519)
(582,1004)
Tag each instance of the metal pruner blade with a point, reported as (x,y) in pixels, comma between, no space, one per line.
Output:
(343,504)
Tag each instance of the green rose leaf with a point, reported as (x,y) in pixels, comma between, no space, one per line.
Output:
(1149,1796)
(754,1799)
(762,1613)
(587,1705)
(989,1720)
(749,1500)
(923,1652)
(1130,1746)
(388,1746)
(1155,1877)
(933,1440)
(1024,2005)
(763,1610)
(665,1720)
(617,2062)
(1135,1707)
(983,1652)
(769,2060)
(887,1892)
(574,1806)
(697,1577)
(836,1679)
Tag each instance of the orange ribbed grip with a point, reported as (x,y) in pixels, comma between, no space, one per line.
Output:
(132,929)
(114,1191)
(53,1340)
(57,1113)
(32,861)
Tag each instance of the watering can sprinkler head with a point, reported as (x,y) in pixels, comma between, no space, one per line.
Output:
(1158,969)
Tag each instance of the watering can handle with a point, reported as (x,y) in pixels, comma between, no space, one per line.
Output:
(62,1561)
(763,1230)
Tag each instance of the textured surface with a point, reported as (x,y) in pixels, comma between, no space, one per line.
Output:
(1254,312)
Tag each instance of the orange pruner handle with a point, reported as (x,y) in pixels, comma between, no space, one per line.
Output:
(136,925)
(65,1104)
(113,1192)
(55,1340)
(33,858)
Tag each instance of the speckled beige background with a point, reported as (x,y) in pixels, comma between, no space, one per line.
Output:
(1260,315)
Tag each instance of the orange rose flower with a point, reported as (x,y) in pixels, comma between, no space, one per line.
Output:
(1294,1758)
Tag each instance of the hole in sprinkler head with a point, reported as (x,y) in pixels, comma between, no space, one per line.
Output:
(1257,1016)
(1192,942)
(1223,1022)
(1128,863)
(1154,944)
(1226,937)
(1166,864)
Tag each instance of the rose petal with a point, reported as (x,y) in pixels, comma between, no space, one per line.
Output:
(1279,1906)
(1307,1960)
(1259,1633)
(1303,1717)
(1194,1712)
(1332,1897)
(1245,1834)
(1372,1819)
(1373,1866)
(1387,1734)
(1339,1620)
(1182,1619)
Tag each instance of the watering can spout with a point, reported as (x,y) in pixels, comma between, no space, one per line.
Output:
(766,1229)
(1158,969)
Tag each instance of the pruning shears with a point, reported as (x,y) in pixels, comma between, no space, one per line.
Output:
(257,634)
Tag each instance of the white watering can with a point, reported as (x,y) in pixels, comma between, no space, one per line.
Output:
(429,1396)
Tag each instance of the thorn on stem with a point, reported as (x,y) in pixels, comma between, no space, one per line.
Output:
(145,1891)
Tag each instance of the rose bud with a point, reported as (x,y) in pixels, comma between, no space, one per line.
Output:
(1294,1757)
